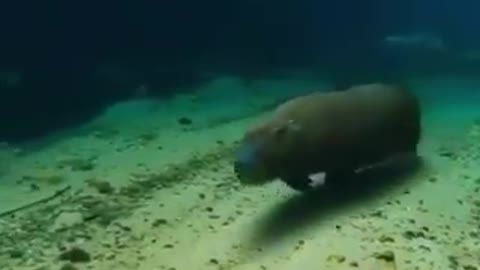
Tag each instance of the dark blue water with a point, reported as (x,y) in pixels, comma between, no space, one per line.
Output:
(75,58)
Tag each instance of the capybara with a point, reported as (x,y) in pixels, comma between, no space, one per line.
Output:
(336,133)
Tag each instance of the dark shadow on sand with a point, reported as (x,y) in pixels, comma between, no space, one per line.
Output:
(302,210)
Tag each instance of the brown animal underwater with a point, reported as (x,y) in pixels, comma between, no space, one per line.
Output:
(336,133)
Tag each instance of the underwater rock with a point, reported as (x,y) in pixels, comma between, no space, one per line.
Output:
(433,179)
(413,234)
(75,255)
(168,246)
(336,258)
(185,121)
(386,239)
(77,164)
(214,261)
(353,264)
(103,187)
(67,220)
(159,222)
(68,266)
(387,256)
(447,153)
(16,253)
(101,210)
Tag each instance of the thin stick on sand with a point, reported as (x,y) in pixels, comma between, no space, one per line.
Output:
(37,202)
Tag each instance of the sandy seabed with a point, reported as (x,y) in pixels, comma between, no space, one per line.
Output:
(149,185)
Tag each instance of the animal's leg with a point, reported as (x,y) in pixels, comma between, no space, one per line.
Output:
(300,183)
(338,177)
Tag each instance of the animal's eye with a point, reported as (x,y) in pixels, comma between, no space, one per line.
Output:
(290,125)
(279,132)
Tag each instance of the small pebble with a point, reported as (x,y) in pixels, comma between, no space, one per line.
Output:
(68,266)
(75,255)
(387,256)
(336,258)
(15,254)
(159,222)
(353,264)
(185,121)
(386,239)
(214,261)
(169,246)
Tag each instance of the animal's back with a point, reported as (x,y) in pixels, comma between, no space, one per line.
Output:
(355,127)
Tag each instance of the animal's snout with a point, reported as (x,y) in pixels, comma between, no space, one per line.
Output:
(245,155)
(248,167)
(243,163)
(237,169)
(241,167)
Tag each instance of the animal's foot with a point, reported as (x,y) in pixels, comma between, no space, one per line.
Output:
(338,178)
(302,184)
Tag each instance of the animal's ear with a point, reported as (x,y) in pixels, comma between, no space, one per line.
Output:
(289,126)
(293,126)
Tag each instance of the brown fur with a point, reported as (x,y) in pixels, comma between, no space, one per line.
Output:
(335,132)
